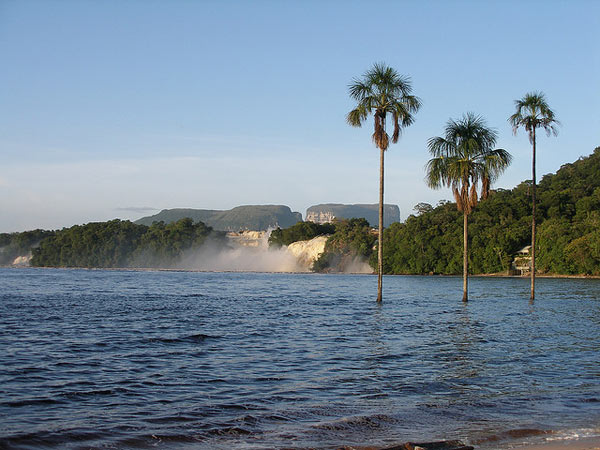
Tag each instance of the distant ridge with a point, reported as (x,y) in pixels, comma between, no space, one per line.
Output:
(248,217)
(328,211)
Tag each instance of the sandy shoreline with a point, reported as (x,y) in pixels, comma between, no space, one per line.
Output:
(159,269)
(583,443)
(587,443)
(537,275)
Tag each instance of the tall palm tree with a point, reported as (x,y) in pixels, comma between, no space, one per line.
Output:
(382,91)
(464,159)
(533,112)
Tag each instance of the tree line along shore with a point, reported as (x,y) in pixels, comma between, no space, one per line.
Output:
(429,241)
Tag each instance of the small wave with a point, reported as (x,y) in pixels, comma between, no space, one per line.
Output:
(152,440)
(94,393)
(357,423)
(171,419)
(580,433)
(279,418)
(375,396)
(229,431)
(269,378)
(54,318)
(27,371)
(32,402)
(241,407)
(518,433)
(45,439)
(192,338)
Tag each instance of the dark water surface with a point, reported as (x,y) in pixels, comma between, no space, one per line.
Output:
(124,359)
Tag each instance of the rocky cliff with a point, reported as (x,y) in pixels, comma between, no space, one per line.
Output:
(248,238)
(306,252)
(329,211)
(249,217)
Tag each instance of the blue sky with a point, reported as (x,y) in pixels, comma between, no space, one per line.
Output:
(113,108)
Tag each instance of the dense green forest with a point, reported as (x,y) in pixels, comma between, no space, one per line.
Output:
(430,241)
(13,245)
(568,218)
(119,243)
(352,240)
(302,231)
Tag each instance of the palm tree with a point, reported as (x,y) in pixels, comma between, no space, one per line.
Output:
(533,112)
(463,159)
(382,91)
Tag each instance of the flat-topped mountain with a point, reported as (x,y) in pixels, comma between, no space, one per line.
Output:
(249,217)
(328,211)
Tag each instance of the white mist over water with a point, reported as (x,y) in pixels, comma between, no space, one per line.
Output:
(358,265)
(241,258)
(249,251)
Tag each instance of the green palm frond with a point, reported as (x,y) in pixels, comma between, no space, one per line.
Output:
(359,90)
(437,171)
(357,116)
(465,158)
(495,162)
(439,147)
(383,91)
(532,112)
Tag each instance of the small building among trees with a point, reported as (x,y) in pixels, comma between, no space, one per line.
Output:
(521,264)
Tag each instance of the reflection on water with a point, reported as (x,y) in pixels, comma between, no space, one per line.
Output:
(224,360)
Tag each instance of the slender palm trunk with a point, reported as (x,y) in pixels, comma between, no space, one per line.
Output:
(533,186)
(465,259)
(380,246)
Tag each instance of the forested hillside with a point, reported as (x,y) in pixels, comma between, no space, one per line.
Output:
(568,220)
(13,245)
(120,243)
(353,241)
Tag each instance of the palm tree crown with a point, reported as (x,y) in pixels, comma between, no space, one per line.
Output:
(380,92)
(533,112)
(465,157)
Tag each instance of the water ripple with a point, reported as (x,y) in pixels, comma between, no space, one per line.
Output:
(119,359)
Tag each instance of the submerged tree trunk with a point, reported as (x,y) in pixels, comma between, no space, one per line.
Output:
(465,259)
(533,186)
(380,246)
